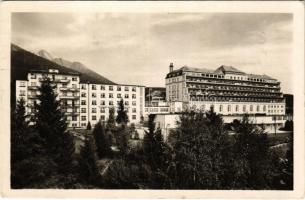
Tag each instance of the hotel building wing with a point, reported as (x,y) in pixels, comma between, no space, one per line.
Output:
(228,90)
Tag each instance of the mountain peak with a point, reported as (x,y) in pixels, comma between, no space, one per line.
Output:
(45,54)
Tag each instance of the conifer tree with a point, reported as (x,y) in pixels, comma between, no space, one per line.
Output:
(101,140)
(27,154)
(51,125)
(88,169)
(88,126)
(122,117)
(111,120)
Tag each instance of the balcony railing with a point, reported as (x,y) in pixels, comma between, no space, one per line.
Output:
(33,87)
(231,84)
(68,97)
(69,89)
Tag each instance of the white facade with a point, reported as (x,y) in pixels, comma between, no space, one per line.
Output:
(84,102)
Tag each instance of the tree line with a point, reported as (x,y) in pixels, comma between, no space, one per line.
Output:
(199,154)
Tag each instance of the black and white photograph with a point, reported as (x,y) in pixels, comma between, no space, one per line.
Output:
(158,100)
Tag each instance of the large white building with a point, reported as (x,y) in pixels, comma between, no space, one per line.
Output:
(228,90)
(83,102)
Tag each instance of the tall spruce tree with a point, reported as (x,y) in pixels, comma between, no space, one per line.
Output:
(251,157)
(51,125)
(122,117)
(157,154)
(88,169)
(111,120)
(27,153)
(101,140)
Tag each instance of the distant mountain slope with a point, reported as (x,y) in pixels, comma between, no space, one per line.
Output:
(91,76)
(23,61)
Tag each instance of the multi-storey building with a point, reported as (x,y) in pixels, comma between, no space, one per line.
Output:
(83,102)
(228,90)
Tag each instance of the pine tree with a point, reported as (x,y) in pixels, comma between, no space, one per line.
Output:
(111,120)
(122,139)
(27,153)
(88,126)
(51,125)
(157,154)
(251,151)
(101,140)
(122,117)
(88,169)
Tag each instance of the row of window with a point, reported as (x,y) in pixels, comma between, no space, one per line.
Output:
(94,102)
(110,95)
(110,88)
(34,76)
(103,110)
(243,108)
(102,117)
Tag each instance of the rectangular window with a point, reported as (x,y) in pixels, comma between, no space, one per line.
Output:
(74,78)
(22,92)
(244,108)
(133,96)
(126,96)
(102,95)
(93,110)
(110,103)
(133,89)
(102,103)
(83,87)
(126,88)
(83,118)
(134,117)
(102,117)
(83,102)
(102,87)
(118,88)
(134,110)
(110,95)
(83,124)
(74,118)
(83,94)
(134,103)
(102,110)
(93,102)
(119,96)
(33,76)
(93,87)
(22,84)
(110,88)
(83,110)
(126,103)
(94,95)
(93,117)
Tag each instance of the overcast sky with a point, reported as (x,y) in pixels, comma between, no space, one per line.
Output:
(137,48)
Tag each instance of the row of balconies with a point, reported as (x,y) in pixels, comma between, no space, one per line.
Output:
(209,93)
(234,84)
(230,80)
(236,99)
(228,88)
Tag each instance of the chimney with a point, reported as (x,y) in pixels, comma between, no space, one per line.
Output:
(171,67)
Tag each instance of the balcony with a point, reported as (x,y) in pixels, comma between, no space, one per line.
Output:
(68,97)
(69,89)
(33,87)
(32,96)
